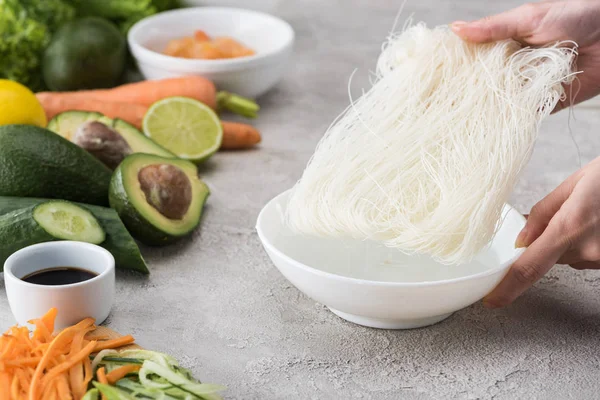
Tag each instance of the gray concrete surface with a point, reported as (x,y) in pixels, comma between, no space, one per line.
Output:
(216,302)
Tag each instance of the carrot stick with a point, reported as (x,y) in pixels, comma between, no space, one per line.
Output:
(23,379)
(121,372)
(76,372)
(88,374)
(63,337)
(4,386)
(146,92)
(23,362)
(71,362)
(49,318)
(14,388)
(111,344)
(239,136)
(55,104)
(62,386)
(101,375)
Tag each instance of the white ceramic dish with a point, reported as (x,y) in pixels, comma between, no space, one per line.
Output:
(258,5)
(92,298)
(271,38)
(372,285)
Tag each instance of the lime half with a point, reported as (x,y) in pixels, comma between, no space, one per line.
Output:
(185,126)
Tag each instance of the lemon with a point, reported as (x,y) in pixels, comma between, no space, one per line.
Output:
(185,126)
(18,105)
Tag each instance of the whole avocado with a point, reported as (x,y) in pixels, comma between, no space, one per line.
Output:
(87,53)
(35,162)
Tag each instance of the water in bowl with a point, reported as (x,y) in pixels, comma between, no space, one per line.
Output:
(373,261)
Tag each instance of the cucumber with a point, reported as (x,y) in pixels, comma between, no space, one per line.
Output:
(45,222)
(92,394)
(118,240)
(64,220)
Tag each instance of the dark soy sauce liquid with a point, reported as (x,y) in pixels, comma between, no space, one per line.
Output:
(59,276)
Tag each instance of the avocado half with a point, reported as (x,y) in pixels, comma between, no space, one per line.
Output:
(159,199)
(69,125)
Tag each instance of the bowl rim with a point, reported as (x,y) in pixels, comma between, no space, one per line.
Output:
(272,248)
(65,246)
(139,51)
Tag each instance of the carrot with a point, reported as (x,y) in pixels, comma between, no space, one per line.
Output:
(71,362)
(239,136)
(64,337)
(76,372)
(54,104)
(23,362)
(235,135)
(121,372)
(44,366)
(143,93)
(114,343)
(15,393)
(62,386)
(101,375)
(88,374)
(4,386)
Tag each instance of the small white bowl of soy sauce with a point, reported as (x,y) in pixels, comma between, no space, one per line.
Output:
(76,278)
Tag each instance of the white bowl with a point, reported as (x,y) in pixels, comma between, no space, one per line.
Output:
(259,5)
(369,284)
(74,302)
(271,38)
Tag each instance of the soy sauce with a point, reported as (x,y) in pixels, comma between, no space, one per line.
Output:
(59,276)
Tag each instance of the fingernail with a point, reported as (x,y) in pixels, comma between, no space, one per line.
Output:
(457,25)
(522,239)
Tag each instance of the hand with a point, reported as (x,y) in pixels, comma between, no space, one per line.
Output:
(563,228)
(547,22)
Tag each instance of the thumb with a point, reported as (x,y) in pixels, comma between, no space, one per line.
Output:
(544,211)
(517,23)
(538,259)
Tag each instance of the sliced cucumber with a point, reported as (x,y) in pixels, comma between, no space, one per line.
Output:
(64,220)
(92,394)
(13,237)
(35,224)
(159,378)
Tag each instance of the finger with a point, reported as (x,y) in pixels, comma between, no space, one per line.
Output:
(517,23)
(586,265)
(544,211)
(538,259)
(570,257)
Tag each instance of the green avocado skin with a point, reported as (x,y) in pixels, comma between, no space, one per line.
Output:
(35,162)
(87,53)
(140,226)
(18,229)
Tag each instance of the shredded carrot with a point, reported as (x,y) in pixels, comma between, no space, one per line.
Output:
(59,341)
(71,362)
(44,366)
(101,375)
(49,319)
(62,386)
(121,372)
(88,375)
(114,343)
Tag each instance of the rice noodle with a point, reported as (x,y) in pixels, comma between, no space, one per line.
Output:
(426,159)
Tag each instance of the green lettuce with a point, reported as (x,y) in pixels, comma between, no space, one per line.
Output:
(25,30)
(124,13)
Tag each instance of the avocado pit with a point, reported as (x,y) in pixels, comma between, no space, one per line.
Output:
(103,142)
(167,189)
